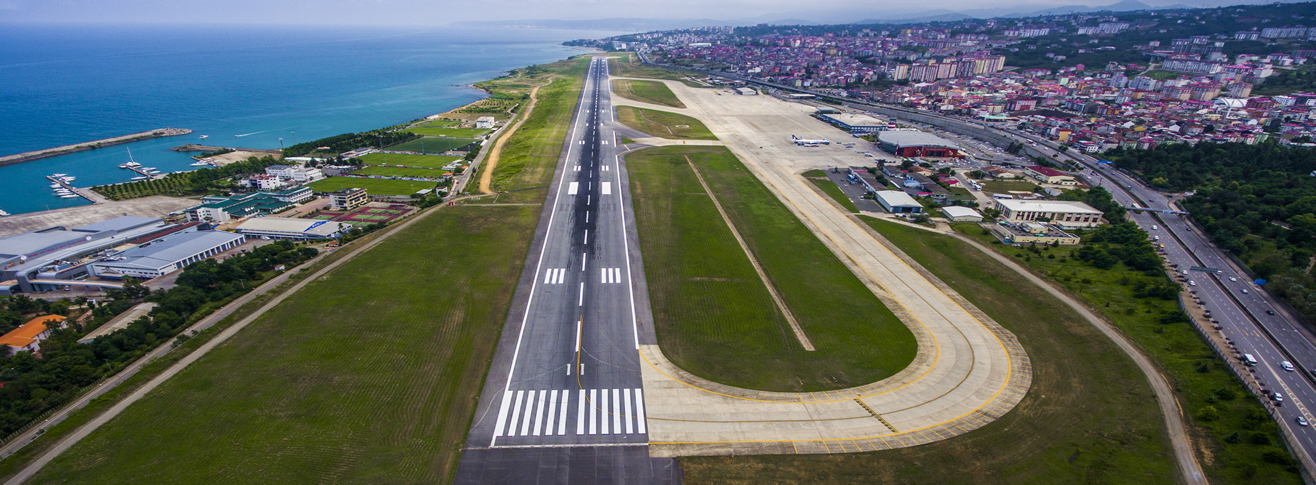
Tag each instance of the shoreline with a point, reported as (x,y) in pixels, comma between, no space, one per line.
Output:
(91,145)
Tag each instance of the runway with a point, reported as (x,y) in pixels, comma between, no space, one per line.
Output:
(564,399)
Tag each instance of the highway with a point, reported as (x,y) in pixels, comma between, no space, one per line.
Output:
(564,401)
(1243,317)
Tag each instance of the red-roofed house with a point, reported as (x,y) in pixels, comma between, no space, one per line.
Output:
(27,336)
(1048,175)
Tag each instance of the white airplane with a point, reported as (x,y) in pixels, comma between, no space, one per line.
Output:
(809,143)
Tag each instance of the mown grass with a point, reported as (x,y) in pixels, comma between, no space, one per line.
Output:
(1005,187)
(663,124)
(528,159)
(652,92)
(372,186)
(426,161)
(627,64)
(1089,417)
(369,374)
(467,133)
(432,145)
(713,315)
(402,172)
(1199,378)
(835,193)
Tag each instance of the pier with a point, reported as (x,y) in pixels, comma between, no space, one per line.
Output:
(142,171)
(88,194)
(91,145)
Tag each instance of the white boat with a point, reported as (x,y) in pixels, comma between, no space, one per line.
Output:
(58,175)
(56,185)
(69,196)
(68,179)
(205,136)
(201,164)
(141,177)
(3,213)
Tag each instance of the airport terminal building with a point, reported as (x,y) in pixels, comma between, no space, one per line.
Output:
(855,123)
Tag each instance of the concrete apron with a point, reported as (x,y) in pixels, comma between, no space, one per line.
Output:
(968,370)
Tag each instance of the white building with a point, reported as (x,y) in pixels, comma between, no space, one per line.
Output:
(961,214)
(300,175)
(1063,213)
(287,228)
(485,122)
(898,202)
(166,255)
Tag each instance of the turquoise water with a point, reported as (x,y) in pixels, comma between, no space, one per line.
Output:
(241,86)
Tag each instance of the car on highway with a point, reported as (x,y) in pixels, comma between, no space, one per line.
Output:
(1192,283)
(1231,278)
(1155,227)
(1270,312)
(1286,365)
(1244,291)
(1278,397)
(1302,421)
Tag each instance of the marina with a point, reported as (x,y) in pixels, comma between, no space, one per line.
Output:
(64,189)
(144,173)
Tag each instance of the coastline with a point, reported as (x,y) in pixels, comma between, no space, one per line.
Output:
(91,145)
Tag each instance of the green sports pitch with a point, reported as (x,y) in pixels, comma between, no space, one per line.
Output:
(432,145)
(372,186)
(424,161)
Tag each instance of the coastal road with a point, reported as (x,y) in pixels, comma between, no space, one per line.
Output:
(564,401)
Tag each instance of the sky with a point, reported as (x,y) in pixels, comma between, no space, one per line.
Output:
(442,12)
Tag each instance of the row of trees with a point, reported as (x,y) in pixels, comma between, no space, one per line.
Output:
(196,182)
(32,385)
(1256,201)
(351,141)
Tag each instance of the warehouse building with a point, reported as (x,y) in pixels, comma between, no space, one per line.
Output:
(287,228)
(897,202)
(1063,213)
(166,255)
(961,214)
(855,123)
(909,143)
(58,253)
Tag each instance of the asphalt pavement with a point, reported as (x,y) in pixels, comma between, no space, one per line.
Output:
(564,400)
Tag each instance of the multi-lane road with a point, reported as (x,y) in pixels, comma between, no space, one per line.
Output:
(564,400)
(1247,314)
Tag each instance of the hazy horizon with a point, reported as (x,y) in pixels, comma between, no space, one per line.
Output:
(421,13)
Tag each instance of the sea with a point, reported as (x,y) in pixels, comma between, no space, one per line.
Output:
(241,86)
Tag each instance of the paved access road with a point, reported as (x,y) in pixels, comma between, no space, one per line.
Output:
(564,399)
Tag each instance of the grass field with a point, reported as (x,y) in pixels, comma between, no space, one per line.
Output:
(401,172)
(379,398)
(467,133)
(627,64)
(713,315)
(368,375)
(1089,416)
(372,186)
(663,124)
(835,192)
(528,159)
(1195,372)
(1004,187)
(652,92)
(427,161)
(432,145)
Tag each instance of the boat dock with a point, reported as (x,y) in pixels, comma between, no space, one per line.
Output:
(142,171)
(88,194)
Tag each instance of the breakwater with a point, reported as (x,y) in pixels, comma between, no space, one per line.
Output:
(91,145)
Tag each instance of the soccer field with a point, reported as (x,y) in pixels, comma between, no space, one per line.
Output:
(432,145)
(372,186)
(425,161)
